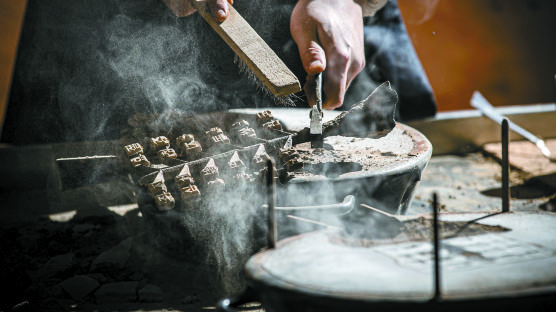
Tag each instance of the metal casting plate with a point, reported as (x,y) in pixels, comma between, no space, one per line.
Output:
(513,263)
(403,149)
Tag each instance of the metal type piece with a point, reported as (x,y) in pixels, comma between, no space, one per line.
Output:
(133,149)
(184,178)
(168,153)
(158,186)
(164,201)
(264,117)
(260,157)
(436,243)
(479,102)
(158,143)
(273,125)
(271,200)
(505,167)
(210,171)
(373,117)
(235,163)
(316,114)
(140,160)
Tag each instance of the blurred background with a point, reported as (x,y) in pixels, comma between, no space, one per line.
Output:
(504,49)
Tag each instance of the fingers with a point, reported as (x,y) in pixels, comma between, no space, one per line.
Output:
(336,77)
(329,36)
(304,32)
(312,55)
(180,8)
(219,9)
(313,58)
(346,58)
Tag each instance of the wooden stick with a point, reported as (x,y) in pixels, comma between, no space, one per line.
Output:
(252,50)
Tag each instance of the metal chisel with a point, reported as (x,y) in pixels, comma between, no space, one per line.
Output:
(316,114)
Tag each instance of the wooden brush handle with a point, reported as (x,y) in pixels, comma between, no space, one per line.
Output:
(252,50)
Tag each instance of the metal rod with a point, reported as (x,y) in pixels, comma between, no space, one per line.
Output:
(436,244)
(314,222)
(505,166)
(345,206)
(317,115)
(479,102)
(271,203)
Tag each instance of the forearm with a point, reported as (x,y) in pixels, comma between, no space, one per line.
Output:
(369,7)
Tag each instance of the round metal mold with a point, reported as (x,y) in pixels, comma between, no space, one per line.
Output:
(510,270)
(382,178)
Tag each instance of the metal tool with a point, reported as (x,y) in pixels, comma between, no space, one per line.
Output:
(316,114)
(479,102)
(272,234)
(505,166)
(256,56)
(436,249)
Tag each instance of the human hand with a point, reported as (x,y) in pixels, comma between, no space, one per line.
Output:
(329,36)
(219,8)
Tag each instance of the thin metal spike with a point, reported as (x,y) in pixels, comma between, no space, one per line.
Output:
(505,166)
(436,244)
(271,202)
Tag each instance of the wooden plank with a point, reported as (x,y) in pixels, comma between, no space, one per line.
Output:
(253,51)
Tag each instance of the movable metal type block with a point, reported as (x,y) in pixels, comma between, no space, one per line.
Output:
(210,172)
(184,178)
(189,193)
(214,131)
(245,133)
(215,136)
(260,158)
(288,153)
(274,125)
(140,160)
(133,149)
(263,117)
(184,138)
(157,186)
(294,164)
(168,153)
(219,139)
(241,131)
(192,149)
(235,163)
(164,201)
(236,126)
(158,143)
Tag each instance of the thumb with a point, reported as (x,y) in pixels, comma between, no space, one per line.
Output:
(219,9)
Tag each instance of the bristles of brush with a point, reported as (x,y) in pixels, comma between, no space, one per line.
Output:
(244,69)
